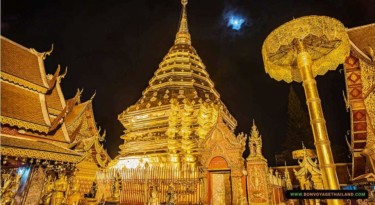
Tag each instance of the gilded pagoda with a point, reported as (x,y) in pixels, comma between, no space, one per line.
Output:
(47,142)
(180,128)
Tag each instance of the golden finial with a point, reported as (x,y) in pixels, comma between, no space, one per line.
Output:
(183,36)
(64,74)
(254,129)
(93,96)
(42,55)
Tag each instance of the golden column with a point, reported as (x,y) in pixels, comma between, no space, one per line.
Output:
(298,51)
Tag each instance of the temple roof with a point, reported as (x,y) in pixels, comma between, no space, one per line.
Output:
(21,147)
(23,108)
(80,122)
(55,100)
(362,40)
(28,72)
(35,117)
(76,112)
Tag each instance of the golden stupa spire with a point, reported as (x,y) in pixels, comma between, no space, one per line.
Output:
(180,79)
(183,35)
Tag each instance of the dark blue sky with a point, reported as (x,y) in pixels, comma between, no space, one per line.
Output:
(114,47)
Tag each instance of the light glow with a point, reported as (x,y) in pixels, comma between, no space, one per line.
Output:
(235,22)
(128,163)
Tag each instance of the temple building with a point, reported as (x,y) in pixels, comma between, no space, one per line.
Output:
(360,99)
(44,137)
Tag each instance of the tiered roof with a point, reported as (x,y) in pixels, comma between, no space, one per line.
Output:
(24,86)
(36,120)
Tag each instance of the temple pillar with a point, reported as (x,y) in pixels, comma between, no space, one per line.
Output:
(257,182)
(34,192)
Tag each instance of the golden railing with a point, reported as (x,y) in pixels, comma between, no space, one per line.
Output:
(138,183)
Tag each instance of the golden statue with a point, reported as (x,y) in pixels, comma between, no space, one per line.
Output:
(9,190)
(93,190)
(171,195)
(298,51)
(49,187)
(61,186)
(116,189)
(153,200)
(90,198)
(255,143)
(288,181)
(75,197)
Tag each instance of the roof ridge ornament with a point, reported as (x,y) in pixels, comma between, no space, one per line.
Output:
(42,55)
(183,35)
(93,96)
(52,82)
(64,74)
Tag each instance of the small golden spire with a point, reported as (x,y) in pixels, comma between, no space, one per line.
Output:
(183,36)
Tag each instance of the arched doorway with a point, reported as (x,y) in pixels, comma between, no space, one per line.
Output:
(219,180)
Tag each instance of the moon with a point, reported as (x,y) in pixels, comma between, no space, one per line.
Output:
(235,22)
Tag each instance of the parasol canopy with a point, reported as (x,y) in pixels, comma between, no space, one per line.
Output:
(324,38)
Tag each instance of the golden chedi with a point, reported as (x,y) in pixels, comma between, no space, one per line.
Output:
(175,110)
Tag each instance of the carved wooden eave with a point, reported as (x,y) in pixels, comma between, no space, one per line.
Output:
(27,148)
(80,121)
(85,135)
(94,151)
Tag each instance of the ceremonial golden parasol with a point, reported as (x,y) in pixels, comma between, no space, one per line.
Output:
(298,51)
(323,38)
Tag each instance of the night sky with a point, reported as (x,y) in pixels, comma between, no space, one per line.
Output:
(114,47)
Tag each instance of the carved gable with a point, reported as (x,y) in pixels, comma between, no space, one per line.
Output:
(222,142)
